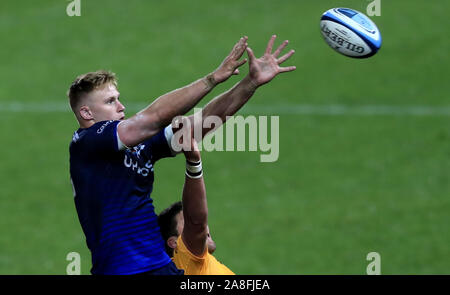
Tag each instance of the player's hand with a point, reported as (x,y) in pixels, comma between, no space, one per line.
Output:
(231,63)
(192,153)
(265,68)
(187,141)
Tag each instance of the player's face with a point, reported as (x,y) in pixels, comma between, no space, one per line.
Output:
(209,241)
(104,103)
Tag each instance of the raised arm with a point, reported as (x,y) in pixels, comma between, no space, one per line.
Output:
(195,208)
(261,71)
(160,113)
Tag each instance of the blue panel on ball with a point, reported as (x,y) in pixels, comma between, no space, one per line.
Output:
(357,17)
(348,12)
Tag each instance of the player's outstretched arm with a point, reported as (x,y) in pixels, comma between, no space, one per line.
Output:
(195,208)
(160,113)
(261,71)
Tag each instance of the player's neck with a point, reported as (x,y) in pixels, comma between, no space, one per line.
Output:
(85,124)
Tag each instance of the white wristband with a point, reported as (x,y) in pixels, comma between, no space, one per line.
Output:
(194,169)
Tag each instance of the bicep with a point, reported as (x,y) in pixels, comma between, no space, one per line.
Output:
(136,129)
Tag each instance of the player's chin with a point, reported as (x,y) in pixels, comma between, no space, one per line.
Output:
(211,247)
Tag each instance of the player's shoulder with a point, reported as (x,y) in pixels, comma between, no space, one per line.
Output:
(184,250)
(100,136)
(96,129)
(100,127)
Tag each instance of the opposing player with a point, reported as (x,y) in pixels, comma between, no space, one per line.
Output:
(112,159)
(184,225)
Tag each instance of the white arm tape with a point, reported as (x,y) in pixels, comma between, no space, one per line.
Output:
(168,132)
(120,144)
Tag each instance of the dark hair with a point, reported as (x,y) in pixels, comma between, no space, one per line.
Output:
(168,224)
(86,83)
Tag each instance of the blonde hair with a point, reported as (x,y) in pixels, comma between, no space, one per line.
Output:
(86,83)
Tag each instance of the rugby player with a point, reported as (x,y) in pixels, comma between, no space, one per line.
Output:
(184,225)
(112,158)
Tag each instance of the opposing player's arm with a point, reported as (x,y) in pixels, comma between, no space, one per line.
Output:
(226,104)
(195,208)
(160,113)
(261,71)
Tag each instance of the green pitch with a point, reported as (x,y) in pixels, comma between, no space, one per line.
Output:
(364,144)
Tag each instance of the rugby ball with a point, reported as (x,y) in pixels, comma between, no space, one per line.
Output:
(350,32)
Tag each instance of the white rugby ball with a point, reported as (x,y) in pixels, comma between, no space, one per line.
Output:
(350,32)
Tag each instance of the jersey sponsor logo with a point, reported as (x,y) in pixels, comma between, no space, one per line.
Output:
(100,130)
(134,165)
(137,149)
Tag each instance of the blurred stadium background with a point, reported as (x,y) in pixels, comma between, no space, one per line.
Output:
(364,144)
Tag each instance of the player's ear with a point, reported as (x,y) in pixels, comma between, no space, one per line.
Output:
(172,242)
(86,113)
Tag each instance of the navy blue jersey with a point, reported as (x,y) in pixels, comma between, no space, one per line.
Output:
(112,187)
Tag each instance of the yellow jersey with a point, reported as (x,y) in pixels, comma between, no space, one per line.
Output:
(197,265)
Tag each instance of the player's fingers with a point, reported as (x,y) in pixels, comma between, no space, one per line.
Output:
(240,63)
(243,40)
(285,57)
(270,44)
(236,72)
(286,69)
(280,48)
(251,55)
(241,49)
(235,47)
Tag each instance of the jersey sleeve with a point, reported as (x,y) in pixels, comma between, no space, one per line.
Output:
(158,146)
(205,264)
(102,137)
(184,259)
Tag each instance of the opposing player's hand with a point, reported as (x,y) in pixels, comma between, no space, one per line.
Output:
(231,63)
(265,68)
(186,141)
(192,153)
